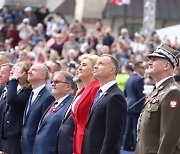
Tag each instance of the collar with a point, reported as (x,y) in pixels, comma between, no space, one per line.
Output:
(61,100)
(105,87)
(137,74)
(19,87)
(38,89)
(162,80)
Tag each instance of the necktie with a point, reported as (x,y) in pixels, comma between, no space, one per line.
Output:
(51,109)
(96,98)
(29,102)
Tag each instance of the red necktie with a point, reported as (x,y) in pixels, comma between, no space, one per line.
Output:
(51,109)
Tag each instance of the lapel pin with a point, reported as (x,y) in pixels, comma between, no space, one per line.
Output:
(105,93)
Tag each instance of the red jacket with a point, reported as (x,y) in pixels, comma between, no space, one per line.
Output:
(80,114)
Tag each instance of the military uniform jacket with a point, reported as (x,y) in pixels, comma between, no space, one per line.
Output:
(159,122)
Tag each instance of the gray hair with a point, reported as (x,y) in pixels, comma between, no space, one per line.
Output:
(7,55)
(68,78)
(46,72)
(10,65)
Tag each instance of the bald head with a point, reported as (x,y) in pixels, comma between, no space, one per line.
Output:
(38,75)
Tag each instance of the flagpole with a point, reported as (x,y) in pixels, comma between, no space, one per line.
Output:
(125,15)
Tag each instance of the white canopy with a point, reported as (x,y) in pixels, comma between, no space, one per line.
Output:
(172,32)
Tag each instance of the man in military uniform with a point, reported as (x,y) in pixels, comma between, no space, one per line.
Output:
(159,122)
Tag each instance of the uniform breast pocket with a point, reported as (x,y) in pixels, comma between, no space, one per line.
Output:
(152,115)
(153,108)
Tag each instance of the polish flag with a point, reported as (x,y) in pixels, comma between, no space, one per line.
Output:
(120,2)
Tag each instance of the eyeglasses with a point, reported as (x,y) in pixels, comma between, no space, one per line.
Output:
(57,82)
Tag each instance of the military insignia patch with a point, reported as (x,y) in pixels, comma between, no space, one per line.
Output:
(173,103)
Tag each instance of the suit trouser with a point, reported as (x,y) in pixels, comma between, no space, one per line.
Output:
(129,137)
(3,145)
(14,144)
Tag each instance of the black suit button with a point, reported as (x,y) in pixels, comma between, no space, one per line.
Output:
(7,122)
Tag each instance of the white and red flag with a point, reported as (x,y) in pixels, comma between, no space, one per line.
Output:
(120,2)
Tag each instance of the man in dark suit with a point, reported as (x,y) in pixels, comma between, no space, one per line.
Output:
(66,130)
(40,99)
(134,93)
(4,78)
(65,135)
(107,114)
(46,136)
(1,89)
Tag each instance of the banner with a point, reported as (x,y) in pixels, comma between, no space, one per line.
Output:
(120,2)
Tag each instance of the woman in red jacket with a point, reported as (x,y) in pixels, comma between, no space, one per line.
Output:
(83,100)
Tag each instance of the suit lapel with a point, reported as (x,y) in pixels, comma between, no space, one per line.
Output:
(42,118)
(100,100)
(25,111)
(68,111)
(83,96)
(60,106)
(91,110)
(19,91)
(45,119)
(32,106)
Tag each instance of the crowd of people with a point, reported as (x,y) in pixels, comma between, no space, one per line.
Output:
(65,89)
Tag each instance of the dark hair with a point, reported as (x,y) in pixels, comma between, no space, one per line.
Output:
(46,71)
(72,64)
(137,64)
(129,67)
(69,78)
(114,62)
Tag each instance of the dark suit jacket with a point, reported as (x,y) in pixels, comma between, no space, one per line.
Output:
(65,136)
(134,92)
(2,107)
(1,89)
(16,103)
(66,132)
(104,124)
(31,120)
(46,136)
